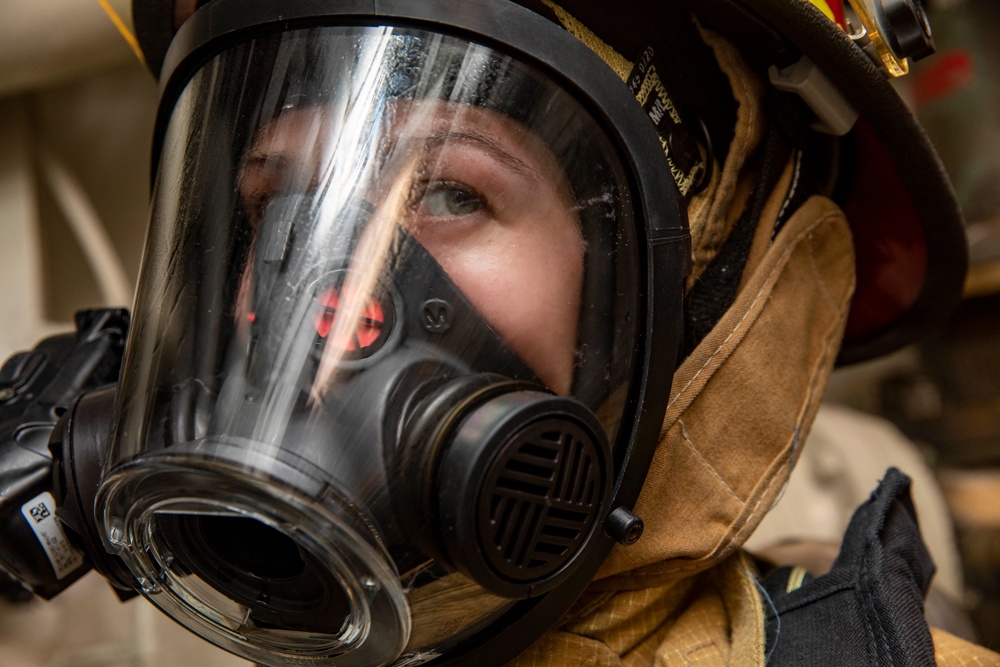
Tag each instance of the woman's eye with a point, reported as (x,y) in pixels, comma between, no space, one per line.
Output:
(450,199)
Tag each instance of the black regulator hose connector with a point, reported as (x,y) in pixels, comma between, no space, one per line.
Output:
(79,447)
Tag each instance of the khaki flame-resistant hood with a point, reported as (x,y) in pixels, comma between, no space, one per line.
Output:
(742,401)
(740,408)
(723,459)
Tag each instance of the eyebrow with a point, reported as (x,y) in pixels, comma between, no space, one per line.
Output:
(279,160)
(490,145)
(257,158)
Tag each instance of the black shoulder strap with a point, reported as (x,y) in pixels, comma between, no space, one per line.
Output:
(869,609)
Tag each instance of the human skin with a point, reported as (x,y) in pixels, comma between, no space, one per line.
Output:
(487,199)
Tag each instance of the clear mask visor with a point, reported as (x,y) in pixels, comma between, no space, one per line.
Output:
(374,255)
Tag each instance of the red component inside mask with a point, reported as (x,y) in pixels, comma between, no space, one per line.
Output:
(369,327)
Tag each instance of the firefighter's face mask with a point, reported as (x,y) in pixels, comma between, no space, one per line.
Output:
(480,193)
(390,340)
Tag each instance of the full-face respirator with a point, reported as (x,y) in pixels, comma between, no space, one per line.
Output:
(384,394)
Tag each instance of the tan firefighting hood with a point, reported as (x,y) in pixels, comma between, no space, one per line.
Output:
(740,408)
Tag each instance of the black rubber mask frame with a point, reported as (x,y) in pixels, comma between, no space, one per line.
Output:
(662,235)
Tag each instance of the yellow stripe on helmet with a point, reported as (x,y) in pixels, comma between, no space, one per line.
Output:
(123,27)
(824,7)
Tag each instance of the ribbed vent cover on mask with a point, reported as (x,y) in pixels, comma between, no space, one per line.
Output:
(540,499)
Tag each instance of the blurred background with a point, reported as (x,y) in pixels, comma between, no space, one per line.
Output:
(76,117)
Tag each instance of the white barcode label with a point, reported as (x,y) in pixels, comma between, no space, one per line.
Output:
(40,513)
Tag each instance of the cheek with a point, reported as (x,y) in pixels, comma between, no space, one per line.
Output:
(526,280)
